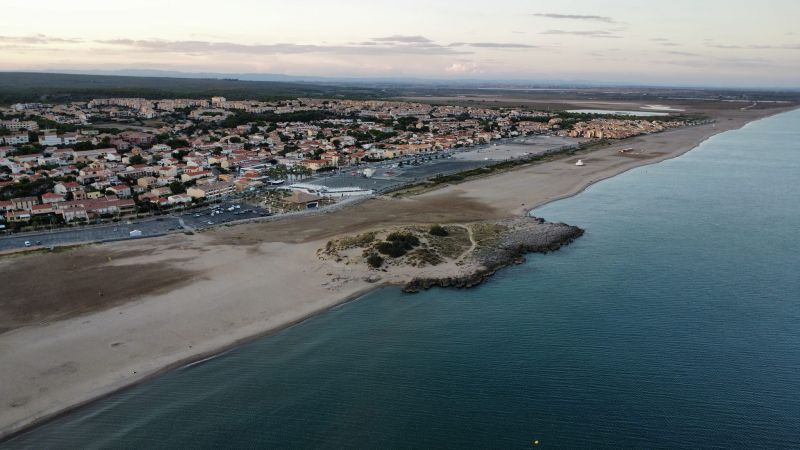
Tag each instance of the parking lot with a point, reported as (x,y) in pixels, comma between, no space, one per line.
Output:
(416,168)
(225,212)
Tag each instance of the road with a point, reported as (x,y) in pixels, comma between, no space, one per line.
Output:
(196,219)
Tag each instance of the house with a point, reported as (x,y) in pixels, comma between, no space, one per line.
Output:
(137,137)
(52,197)
(73,213)
(179,199)
(146,182)
(18,216)
(68,186)
(120,190)
(25,203)
(195,175)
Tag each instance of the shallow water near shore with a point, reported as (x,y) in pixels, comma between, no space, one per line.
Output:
(673,322)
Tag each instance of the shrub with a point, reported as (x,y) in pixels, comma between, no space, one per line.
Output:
(437,230)
(394,249)
(375,260)
(407,240)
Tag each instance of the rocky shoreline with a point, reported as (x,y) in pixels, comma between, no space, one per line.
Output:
(523,236)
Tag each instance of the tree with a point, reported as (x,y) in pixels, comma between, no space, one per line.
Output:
(177,187)
(136,159)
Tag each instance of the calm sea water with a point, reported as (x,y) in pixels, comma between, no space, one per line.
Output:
(674,322)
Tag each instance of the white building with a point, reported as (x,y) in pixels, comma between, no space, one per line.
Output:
(15,139)
(331,192)
(17,125)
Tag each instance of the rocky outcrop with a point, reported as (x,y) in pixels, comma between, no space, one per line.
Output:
(523,236)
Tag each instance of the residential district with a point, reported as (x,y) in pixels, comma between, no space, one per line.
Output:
(81,162)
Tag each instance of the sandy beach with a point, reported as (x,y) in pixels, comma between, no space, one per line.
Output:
(83,323)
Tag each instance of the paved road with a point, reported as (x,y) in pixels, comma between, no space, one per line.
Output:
(195,220)
(120,230)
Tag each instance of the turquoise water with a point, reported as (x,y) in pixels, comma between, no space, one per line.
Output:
(674,322)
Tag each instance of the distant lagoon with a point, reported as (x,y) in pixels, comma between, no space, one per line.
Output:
(610,112)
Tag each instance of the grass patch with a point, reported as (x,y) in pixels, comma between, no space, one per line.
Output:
(453,245)
(485,232)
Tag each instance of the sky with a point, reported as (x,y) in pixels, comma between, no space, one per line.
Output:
(681,42)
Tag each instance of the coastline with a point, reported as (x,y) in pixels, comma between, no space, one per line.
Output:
(105,380)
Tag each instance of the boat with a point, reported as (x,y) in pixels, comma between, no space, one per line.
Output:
(579,163)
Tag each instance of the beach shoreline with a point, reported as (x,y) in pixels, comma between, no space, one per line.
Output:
(35,350)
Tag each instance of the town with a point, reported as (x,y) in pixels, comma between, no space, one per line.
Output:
(110,158)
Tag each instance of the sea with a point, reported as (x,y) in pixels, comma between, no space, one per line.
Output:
(674,322)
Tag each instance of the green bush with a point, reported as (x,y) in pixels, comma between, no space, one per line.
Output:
(407,240)
(395,249)
(375,260)
(437,230)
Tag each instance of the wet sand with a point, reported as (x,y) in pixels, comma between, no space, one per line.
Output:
(86,322)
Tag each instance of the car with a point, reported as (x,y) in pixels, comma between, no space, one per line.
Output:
(38,242)
(210,222)
(197,215)
(28,243)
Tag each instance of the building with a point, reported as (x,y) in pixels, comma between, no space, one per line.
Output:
(211,191)
(25,203)
(52,197)
(17,125)
(330,192)
(50,138)
(120,190)
(315,164)
(179,199)
(15,139)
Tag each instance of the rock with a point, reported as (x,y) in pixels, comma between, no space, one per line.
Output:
(372,278)
(525,235)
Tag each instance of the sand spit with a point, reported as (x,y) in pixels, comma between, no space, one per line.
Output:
(80,324)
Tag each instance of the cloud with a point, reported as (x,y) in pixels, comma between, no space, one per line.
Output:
(664,42)
(715,63)
(462,68)
(491,45)
(756,47)
(680,53)
(587,33)
(592,18)
(402,38)
(38,39)
(205,47)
